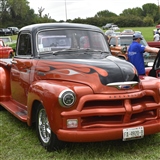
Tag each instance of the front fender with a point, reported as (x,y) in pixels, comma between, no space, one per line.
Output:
(46,92)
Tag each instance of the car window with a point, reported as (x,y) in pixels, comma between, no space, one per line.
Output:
(45,43)
(112,41)
(125,41)
(52,40)
(24,44)
(84,42)
(143,41)
(6,39)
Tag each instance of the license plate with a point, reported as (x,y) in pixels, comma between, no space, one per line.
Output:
(133,133)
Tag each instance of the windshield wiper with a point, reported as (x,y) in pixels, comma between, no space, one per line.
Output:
(64,50)
(83,50)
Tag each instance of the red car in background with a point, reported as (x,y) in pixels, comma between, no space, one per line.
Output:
(158,26)
(5,51)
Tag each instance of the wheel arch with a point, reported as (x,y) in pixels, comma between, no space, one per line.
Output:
(31,121)
(46,92)
(40,92)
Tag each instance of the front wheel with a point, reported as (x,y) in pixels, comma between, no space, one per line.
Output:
(47,138)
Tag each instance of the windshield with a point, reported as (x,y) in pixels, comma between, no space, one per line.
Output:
(53,40)
(124,41)
(143,41)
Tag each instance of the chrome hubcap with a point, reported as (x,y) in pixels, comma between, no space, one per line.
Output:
(43,126)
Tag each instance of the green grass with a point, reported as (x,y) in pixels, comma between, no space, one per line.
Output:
(14,37)
(19,142)
(146,31)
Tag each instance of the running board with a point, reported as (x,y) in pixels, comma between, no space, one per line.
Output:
(14,109)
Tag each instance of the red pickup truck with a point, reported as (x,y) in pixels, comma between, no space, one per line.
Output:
(64,79)
(5,51)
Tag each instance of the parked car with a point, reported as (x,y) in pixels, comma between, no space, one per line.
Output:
(119,45)
(14,30)
(107,26)
(109,33)
(5,51)
(114,27)
(5,32)
(8,40)
(64,80)
(128,31)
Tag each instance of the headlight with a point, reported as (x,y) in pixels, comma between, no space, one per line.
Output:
(124,50)
(67,98)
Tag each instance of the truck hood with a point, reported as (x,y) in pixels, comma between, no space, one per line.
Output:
(90,71)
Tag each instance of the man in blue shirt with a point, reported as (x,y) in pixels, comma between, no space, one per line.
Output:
(135,53)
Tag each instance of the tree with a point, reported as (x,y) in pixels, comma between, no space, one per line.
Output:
(151,10)
(18,8)
(15,12)
(18,13)
(105,13)
(148,21)
(40,11)
(3,11)
(132,11)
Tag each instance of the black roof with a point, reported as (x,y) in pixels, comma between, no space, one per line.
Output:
(41,26)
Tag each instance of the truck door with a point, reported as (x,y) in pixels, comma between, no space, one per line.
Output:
(21,71)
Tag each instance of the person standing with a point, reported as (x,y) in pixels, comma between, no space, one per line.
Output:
(135,53)
(157,36)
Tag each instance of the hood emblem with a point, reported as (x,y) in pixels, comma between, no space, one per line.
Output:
(123,85)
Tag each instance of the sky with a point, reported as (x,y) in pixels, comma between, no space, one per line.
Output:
(71,9)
